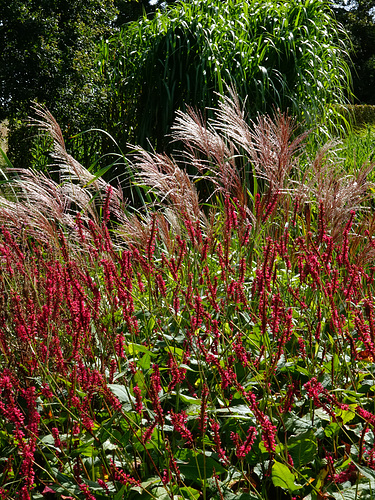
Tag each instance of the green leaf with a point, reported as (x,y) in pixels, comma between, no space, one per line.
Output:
(87,450)
(195,466)
(332,430)
(363,491)
(176,351)
(7,161)
(283,477)
(190,493)
(139,379)
(65,485)
(346,415)
(120,392)
(145,361)
(302,370)
(98,174)
(189,399)
(136,348)
(366,471)
(302,448)
(120,494)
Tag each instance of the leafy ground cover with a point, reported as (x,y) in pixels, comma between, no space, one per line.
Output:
(215,350)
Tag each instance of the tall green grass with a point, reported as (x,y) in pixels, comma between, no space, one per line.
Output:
(278,54)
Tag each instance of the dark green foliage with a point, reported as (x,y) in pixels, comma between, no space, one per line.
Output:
(359,19)
(276,54)
(48,56)
(47,47)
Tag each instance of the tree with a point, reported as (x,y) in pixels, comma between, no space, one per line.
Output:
(358,17)
(48,55)
(48,43)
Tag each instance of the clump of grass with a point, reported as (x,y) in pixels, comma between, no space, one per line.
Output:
(190,50)
(189,351)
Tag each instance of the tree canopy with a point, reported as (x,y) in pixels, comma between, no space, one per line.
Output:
(48,55)
(47,46)
(358,17)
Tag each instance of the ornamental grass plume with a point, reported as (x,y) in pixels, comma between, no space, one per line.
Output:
(40,207)
(69,168)
(337,192)
(234,155)
(232,146)
(171,185)
(208,152)
(270,142)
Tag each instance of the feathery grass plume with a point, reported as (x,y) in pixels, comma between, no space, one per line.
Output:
(78,182)
(271,142)
(135,230)
(273,147)
(222,149)
(169,183)
(41,205)
(201,138)
(239,155)
(39,208)
(69,168)
(339,192)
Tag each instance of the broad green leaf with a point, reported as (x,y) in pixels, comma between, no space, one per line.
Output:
(283,477)
(320,413)
(366,471)
(302,370)
(332,429)
(195,466)
(108,445)
(86,450)
(296,424)
(189,399)
(302,448)
(120,392)
(145,361)
(190,493)
(139,379)
(242,410)
(136,348)
(346,415)
(361,491)
(65,484)
(160,493)
(176,351)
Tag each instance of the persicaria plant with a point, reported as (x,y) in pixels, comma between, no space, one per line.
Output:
(213,349)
